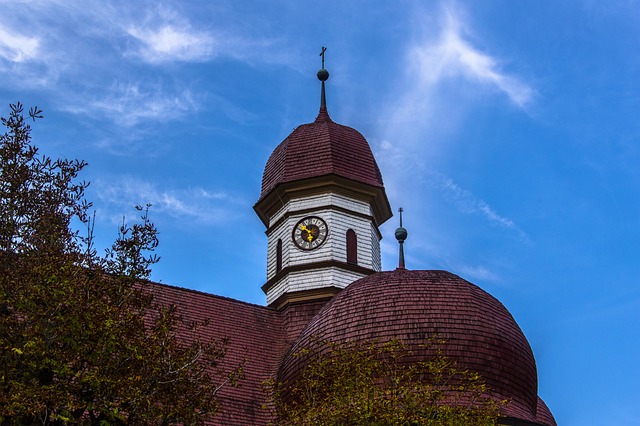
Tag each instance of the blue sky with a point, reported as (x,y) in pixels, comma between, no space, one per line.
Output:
(508,131)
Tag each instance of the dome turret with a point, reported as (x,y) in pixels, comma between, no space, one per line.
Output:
(318,149)
(320,154)
(413,306)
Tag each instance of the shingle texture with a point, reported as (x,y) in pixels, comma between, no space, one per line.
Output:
(411,306)
(321,148)
(480,334)
(256,341)
(544,416)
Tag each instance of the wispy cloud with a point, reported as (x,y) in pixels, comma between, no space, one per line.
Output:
(468,203)
(423,113)
(442,72)
(192,205)
(422,252)
(476,273)
(132,102)
(164,35)
(171,43)
(16,47)
(85,53)
(451,56)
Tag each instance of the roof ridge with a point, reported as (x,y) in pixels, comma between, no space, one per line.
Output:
(211,295)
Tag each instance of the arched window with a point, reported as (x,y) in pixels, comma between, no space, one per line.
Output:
(279,256)
(352,247)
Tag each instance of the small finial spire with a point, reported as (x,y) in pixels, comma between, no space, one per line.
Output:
(323,75)
(401,235)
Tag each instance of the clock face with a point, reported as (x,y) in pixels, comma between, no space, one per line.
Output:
(310,233)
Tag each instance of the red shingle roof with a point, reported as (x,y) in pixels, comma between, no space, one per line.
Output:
(480,334)
(321,148)
(411,306)
(543,415)
(256,340)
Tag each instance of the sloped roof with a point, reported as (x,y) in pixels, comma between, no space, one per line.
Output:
(256,341)
(412,306)
(321,148)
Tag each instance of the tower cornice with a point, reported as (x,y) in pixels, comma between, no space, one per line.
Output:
(376,196)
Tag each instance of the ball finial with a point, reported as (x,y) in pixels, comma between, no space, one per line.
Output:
(401,235)
(323,75)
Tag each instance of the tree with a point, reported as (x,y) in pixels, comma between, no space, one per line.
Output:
(81,339)
(373,383)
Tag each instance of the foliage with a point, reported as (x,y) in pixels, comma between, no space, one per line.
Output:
(81,339)
(372,383)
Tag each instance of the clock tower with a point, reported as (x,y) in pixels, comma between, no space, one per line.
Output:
(322,202)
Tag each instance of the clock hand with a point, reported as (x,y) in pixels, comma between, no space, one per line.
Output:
(310,236)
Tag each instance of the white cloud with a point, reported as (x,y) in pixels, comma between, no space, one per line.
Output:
(443,71)
(164,35)
(477,273)
(128,104)
(468,203)
(191,205)
(452,56)
(423,251)
(428,108)
(18,48)
(171,43)
(75,50)
(406,167)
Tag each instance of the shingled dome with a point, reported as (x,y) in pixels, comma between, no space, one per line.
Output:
(480,334)
(318,149)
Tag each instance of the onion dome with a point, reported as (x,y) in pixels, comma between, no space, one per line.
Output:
(321,148)
(322,153)
(413,306)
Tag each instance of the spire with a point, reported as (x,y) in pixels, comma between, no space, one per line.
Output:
(401,235)
(323,75)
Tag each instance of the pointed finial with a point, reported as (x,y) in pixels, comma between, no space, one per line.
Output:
(323,75)
(401,235)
